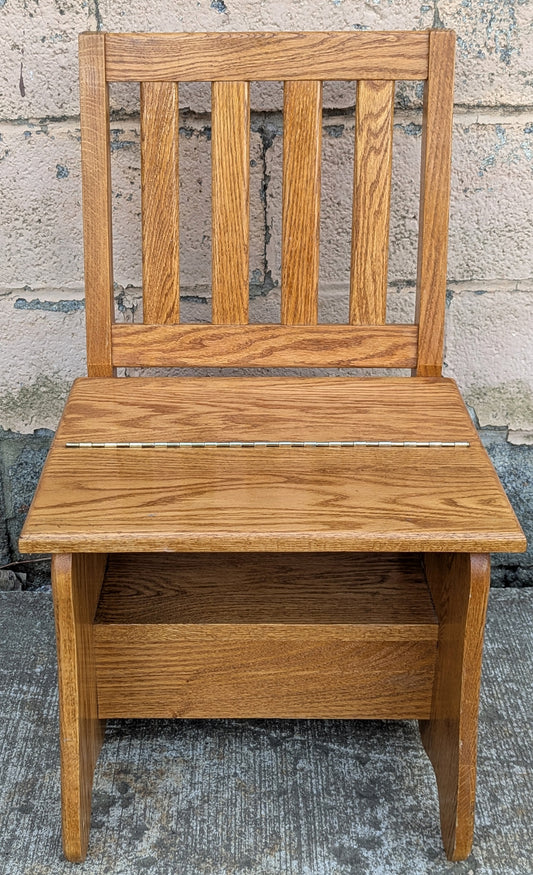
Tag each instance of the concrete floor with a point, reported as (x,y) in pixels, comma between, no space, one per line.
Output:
(266,797)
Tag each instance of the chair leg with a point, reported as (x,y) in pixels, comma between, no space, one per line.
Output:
(459,584)
(76,583)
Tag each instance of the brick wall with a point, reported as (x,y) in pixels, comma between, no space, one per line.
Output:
(489,343)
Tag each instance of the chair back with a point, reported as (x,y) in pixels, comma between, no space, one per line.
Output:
(230,61)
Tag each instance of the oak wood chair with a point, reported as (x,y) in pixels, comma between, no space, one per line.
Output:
(269,547)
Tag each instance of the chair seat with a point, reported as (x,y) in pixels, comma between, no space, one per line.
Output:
(361,498)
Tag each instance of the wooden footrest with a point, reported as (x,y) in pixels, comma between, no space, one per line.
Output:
(319,635)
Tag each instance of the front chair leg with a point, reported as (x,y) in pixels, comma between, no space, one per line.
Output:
(459,585)
(76,583)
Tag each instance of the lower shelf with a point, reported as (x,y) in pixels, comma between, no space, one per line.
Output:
(323,635)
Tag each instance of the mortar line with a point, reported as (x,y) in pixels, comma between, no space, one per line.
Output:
(195,291)
(482,113)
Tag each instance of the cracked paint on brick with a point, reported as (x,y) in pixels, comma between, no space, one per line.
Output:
(51,306)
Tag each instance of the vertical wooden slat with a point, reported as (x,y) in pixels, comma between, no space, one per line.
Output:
(230,194)
(96,182)
(160,201)
(371,202)
(434,203)
(302,128)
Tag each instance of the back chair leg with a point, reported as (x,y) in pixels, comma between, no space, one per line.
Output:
(459,585)
(76,583)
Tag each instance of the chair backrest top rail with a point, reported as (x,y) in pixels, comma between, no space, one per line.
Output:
(190,57)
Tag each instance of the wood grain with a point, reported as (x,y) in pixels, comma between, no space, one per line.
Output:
(321,622)
(434,203)
(288,635)
(96,186)
(160,201)
(279,346)
(231,207)
(375,590)
(302,132)
(459,585)
(152,674)
(271,499)
(371,202)
(76,583)
(211,408)
(276,56)
(274,499)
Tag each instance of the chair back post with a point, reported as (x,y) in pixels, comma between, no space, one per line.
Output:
(434,203)
(96,185)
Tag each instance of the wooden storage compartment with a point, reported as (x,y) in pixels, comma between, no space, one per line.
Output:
(339,635)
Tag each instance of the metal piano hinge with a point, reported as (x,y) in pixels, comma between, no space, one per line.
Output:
(201,445)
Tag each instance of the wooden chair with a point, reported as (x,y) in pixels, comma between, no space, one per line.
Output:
(269,547)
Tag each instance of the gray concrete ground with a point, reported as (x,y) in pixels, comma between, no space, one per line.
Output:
(307,797)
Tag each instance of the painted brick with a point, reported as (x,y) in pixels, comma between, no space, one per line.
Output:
(41,231)
(494,49)
(494,58)
(39,53)
(494,54)
(42,350)
(41,237)
(195,205)
(490,353)
(491,234)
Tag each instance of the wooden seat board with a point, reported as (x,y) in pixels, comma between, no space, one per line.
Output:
(270,499)
(321,408)
(273,499)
